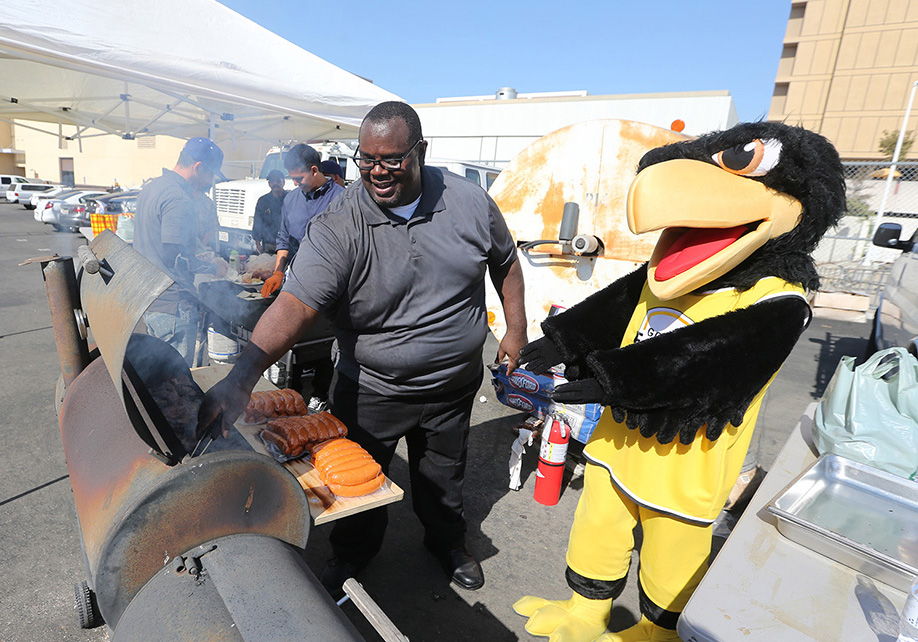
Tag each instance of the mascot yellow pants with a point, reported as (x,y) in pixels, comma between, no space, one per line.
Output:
(674,554)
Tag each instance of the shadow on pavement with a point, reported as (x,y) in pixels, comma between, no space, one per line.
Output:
(832,347)
(407,582)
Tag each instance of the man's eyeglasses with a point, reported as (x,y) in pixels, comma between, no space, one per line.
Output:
(365,163)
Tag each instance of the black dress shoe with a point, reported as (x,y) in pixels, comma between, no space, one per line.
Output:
(334,574)
(463,569)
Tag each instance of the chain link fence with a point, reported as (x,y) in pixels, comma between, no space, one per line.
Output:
(846,259)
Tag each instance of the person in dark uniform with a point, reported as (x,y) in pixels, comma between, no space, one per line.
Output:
(331,169)
(268,214)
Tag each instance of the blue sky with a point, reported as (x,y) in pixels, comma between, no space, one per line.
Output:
(422,50)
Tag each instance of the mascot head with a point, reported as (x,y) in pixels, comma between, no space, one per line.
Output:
(736,206)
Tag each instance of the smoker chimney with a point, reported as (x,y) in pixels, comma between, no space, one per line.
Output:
(505,93)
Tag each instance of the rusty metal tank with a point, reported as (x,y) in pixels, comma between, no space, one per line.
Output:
(137,514)
(590,165)
(176,546)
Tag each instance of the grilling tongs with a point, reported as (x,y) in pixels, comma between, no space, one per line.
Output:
(208,437)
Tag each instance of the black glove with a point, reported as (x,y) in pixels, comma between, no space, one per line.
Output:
(540,355)
(583,391)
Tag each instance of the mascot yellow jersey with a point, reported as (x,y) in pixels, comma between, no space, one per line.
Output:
(689,481)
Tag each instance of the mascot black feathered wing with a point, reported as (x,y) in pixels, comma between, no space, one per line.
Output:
(682,351)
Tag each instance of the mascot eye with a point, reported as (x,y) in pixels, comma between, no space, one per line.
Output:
(755,158)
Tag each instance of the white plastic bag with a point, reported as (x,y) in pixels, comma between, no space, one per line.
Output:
(870,413)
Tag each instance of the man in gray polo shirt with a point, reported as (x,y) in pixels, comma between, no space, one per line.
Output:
(166,233)
(397,264)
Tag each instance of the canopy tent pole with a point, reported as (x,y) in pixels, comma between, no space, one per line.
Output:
(76,117)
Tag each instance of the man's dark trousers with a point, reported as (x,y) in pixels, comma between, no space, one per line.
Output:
(436,429)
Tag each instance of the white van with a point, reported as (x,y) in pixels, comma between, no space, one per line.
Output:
(482,175)
(8,179)
(22,192)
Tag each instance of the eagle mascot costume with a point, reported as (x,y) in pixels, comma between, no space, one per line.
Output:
(681,352)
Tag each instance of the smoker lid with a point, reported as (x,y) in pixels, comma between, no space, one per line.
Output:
(114,299)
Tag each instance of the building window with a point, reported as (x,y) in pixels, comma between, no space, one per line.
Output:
(146,142)
(795,21)
(788,57)
(779,101)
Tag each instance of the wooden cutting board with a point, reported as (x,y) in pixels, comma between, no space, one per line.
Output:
(324,506)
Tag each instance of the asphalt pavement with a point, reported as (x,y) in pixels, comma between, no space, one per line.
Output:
(520,543)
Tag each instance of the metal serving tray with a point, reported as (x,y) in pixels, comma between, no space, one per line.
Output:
(859,516)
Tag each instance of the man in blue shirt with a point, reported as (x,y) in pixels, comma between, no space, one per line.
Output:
(300,206)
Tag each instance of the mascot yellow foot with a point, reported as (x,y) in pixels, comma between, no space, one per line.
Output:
(575,620)
(643,631)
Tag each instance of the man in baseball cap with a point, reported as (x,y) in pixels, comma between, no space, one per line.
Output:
(331,169)
(204,151)
(166,232)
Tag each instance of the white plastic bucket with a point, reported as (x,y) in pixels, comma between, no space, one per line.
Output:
(221,348)
(276,374)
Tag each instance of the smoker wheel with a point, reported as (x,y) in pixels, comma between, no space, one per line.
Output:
(84,601)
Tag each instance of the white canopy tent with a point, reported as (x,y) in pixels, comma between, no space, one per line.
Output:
(185,68)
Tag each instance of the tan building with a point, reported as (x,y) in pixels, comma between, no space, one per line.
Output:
(101,160)
(11,159)
(847,70)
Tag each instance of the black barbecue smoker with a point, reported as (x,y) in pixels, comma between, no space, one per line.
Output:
(177,545)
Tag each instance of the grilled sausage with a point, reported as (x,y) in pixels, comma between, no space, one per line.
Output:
(277,440)
(326,448)
(342,456)
(268,404)
(353,473)
(289,401)
(305,432)
(358,489)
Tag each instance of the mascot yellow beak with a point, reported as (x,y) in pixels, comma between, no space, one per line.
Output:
(712,220)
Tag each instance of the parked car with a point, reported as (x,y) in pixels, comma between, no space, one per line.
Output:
(73,213)
(26,199)
(17,191)
(125,206)
(38,199)
(896,320)
(98,206)
(47,213)
(482,175)
(52,210)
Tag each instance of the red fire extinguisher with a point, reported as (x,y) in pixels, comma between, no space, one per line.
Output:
(552,454)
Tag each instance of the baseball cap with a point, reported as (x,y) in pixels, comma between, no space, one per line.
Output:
(330,167)
(275,174)
(206,152)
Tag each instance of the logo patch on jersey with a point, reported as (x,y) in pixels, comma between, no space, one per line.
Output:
(660,320)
